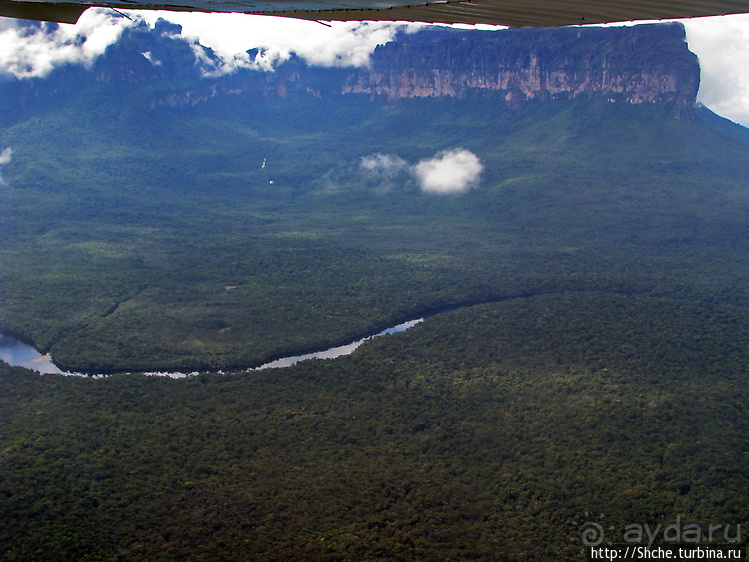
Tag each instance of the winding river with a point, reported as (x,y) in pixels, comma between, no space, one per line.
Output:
(19,354)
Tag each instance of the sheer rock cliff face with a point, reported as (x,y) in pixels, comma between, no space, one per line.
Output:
(640,64)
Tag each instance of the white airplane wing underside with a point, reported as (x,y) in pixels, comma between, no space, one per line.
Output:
(516,13)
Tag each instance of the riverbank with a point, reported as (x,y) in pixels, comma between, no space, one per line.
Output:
(19,354)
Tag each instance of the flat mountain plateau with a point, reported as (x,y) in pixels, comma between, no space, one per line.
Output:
(587,366)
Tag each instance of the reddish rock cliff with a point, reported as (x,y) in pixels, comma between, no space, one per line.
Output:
(649,63)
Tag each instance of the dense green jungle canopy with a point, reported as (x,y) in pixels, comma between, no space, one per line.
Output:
(490,433)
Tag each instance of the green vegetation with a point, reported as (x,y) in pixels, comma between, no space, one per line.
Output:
(482,434)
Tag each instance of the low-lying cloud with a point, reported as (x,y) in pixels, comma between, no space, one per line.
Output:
(450,171)
(5,157)
(387,165)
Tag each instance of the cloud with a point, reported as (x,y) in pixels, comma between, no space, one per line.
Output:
(380,173)
(722,46)
(230,36)
(34,50)
(387,165)
(5,157)
(450,171)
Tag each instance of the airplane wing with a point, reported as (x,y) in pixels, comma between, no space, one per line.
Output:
(515,13)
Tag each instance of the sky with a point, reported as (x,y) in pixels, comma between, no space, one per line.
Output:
(721,43)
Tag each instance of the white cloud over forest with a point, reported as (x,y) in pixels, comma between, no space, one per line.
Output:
(450,171)
(5,157)
(386,165)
